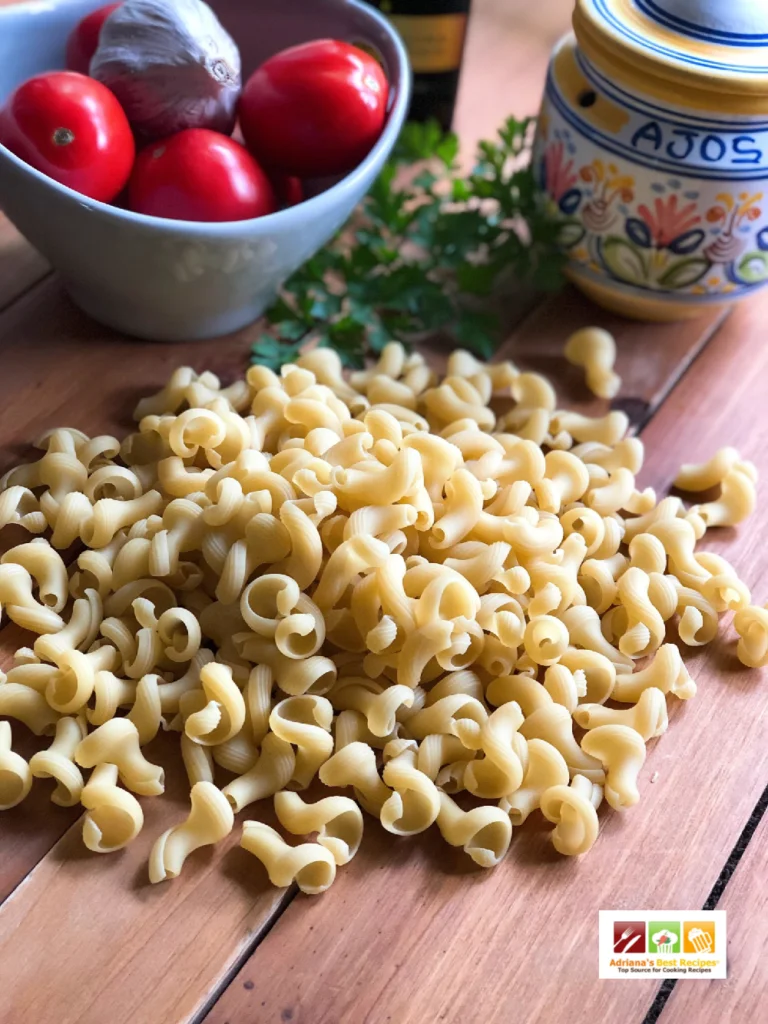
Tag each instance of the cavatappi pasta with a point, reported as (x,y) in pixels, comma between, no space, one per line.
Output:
(378,584)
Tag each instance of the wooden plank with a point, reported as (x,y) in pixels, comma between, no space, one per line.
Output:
(410,933)
(650,358)
(151,922)
(29,830)
(87,939)
(63,338)
(742,996)
(61,367)
(21,266)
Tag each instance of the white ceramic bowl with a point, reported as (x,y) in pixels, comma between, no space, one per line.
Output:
(172,280)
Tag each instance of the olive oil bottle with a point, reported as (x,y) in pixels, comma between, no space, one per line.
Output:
(434,32)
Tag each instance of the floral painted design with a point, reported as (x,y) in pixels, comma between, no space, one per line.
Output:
(609,187)
(732,214)
(668,226)
(558,179)
(559,175)
(663,236)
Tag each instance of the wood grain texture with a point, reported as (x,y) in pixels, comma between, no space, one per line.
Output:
(650,358)
(64,338)
(20,265)
(742,996)
(87,939)
(409,933)
(28,831)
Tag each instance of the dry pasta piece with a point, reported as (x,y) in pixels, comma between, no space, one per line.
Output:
(210,820)
(484,832)
(198,761)
(273,770)
(703,476)
(737,501)
(57,763)
(47,568)
(72,685)
(573,810)
(113,816)
(449,715)
(499,771)
(564,686)
(304,722)
(436,751)
(751,624)
(595,350)
(19,603)
(15,775)
(117,742)
(553,725)
(28,706)
(622,753)
(336,820)
(665,672)
(378,703)
(645,626)
(80,632)
(20,507)
(415,800)
(583,626)
(648,717)
(546,768)
(355,765)
(546,639)
(566,480)
(311,866)
(215,712)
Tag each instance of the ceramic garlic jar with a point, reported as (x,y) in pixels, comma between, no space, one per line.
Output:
(652,150)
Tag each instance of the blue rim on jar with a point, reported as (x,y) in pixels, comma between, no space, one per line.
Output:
(652,152)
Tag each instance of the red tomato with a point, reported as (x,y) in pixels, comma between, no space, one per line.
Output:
(73,129)
(198,174)
(315,109)
(84,38)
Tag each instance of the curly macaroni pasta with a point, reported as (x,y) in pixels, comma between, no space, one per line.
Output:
(378,585)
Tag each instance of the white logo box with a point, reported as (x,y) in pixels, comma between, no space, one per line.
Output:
(703,965)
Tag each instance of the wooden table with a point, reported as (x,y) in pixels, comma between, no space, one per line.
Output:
(409,933)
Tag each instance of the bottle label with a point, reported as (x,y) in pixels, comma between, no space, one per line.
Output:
(434,41)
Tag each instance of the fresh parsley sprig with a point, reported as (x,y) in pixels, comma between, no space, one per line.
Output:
(423,253)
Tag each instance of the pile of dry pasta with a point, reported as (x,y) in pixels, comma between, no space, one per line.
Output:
(379,582)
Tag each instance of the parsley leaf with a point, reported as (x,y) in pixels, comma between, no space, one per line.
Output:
(423,251)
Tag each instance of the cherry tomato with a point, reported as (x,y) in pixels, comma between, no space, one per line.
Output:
(84,38)
(71,128)
(198,174)
(315,109)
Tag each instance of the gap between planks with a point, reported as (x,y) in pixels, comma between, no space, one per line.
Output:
(409,933)
(747,862)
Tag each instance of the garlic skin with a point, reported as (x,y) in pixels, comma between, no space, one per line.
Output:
(171,65)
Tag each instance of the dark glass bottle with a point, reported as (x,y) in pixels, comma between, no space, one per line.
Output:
(434,32)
